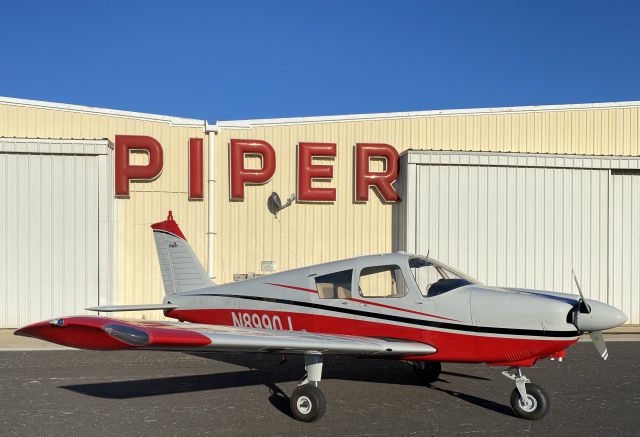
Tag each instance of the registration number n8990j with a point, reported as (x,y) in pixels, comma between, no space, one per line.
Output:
(262,321)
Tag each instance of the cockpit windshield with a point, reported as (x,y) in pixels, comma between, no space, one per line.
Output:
(435,278)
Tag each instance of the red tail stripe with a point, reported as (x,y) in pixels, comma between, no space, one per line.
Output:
(170,226)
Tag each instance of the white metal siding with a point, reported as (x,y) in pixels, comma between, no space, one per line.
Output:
(52,214)
(625,245)
(526,220)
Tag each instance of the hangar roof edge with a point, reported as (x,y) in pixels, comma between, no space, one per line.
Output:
(249,123)
(175,121)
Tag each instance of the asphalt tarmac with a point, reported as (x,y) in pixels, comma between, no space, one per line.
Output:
(81,393)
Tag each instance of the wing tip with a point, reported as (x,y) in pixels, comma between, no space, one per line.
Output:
(104,333)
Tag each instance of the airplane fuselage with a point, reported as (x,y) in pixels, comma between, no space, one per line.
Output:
(472,323)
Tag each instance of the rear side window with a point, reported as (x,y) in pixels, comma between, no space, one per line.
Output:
(334,285)
(382,281)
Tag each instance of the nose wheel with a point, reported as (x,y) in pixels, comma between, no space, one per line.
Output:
(308,403)
(528,401)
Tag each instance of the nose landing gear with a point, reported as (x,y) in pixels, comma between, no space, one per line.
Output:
(308,403)
(528,401)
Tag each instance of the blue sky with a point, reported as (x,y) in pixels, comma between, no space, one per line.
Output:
(250,59)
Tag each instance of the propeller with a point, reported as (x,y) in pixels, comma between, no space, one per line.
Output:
(582,307)
(598,341)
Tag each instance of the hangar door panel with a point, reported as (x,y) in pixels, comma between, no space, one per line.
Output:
(49,223)
(624,264)
(515,226)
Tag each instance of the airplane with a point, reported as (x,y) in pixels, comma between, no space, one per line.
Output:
(390,306)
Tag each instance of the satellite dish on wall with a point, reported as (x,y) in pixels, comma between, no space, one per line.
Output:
(274,204)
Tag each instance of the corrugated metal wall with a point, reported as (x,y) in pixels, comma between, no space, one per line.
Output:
(624,262)
(53,197)
(311,233)
(527,220)
(139,278)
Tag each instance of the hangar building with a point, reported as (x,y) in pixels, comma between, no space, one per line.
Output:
(513,196)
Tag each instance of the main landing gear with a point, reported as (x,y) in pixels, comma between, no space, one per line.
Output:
(308,404)
(426,371)
(528,401)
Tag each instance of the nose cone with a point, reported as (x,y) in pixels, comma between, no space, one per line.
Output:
(601,317)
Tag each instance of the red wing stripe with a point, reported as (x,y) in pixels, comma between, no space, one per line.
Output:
(309,290)
(368,302)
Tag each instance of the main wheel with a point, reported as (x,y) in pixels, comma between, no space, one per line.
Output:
(308,403)
(427,371)
(534,407)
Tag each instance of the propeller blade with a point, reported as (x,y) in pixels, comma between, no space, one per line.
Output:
(598,341)
(584,308)
(575,278)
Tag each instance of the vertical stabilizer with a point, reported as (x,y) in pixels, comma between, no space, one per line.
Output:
(181,270)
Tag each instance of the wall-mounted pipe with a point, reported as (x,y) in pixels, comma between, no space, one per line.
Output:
(212,131)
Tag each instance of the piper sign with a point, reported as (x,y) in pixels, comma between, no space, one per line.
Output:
(241,176)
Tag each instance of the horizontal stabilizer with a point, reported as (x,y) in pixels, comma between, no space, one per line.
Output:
(148,307)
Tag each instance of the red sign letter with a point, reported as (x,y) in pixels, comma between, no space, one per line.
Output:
(307,172)
(381,180)
(126,172)
(240,175)
(195,168)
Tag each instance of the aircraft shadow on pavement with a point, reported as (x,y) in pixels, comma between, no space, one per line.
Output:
(268,370)
(475,400)
(381,370)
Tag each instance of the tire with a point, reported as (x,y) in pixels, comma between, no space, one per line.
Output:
(308,403)
(538,405)
(427,371)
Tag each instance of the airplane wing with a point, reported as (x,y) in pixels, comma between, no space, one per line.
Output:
(103,333)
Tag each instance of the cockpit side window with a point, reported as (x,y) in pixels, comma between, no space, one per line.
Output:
(434,279)
(425,274)
(334,285)
(382,281)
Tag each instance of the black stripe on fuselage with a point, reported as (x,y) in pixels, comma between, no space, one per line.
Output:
(400,319)
(162,231)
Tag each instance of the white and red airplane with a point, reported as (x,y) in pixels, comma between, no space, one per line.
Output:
(392,306)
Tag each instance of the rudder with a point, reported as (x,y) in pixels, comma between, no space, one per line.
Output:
(181,270)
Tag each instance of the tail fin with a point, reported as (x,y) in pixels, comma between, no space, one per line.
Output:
(181,270)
